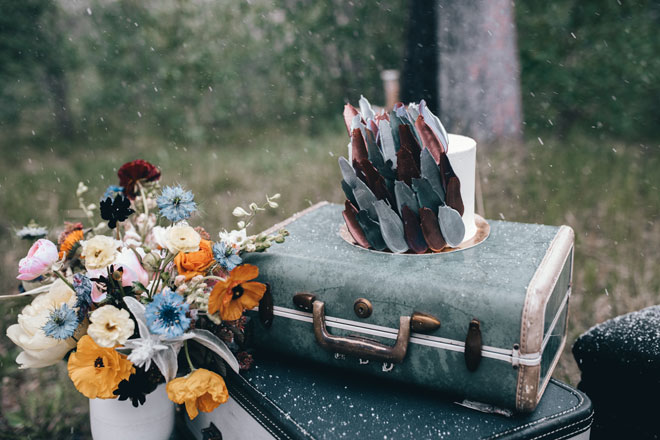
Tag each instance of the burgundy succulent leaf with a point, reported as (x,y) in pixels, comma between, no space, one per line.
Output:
(353,226)
(407,169)
(431,230)
(409,141)
(429,139)
(375,181)
(359,147)
(413,231)
(453,197)
(349,114)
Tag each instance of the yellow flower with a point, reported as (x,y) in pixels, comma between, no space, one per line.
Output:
(110,326)
(235,294)
(201,390)
(99,251)
(70,241)
(182,238)
(96,371)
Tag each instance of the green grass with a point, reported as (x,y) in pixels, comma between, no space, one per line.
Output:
(607,192)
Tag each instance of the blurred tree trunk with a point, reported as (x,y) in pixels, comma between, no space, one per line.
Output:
(58,88)
(479,73)
(420,71)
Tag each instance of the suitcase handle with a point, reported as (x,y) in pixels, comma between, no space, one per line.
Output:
(360,347)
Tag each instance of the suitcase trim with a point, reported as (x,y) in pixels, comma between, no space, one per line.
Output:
(511,356)
(530,389)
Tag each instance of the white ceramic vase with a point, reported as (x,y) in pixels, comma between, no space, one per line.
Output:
(112,419)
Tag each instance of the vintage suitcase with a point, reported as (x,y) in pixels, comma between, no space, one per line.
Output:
(287,400)
(501,307)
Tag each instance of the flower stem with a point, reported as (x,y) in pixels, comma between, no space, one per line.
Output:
(190,364)
(60,276)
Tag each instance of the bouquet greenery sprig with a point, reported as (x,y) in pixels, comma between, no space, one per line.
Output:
(123,299)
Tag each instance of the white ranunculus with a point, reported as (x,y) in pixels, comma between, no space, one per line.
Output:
(99,251)
(40,350)
(110,326)
(234,238)
(182,238)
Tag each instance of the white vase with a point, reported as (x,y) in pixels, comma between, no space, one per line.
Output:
(113,419)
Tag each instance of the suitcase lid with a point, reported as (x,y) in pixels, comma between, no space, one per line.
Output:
(489,282)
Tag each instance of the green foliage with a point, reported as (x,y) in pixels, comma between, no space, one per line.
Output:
(591,65)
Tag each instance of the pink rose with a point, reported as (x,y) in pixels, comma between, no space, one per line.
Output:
(38,261)
(133,270)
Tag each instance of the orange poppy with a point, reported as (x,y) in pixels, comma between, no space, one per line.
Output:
(69,242)
(237,293)
(96,371)
(201,390)
(192,264)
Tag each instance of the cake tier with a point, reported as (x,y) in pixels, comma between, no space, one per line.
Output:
(462,154)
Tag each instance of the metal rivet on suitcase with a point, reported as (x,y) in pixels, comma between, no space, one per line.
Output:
(304,300)
(363,307)
(423,322)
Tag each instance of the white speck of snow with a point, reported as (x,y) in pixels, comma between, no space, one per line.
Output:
(139,114)
(89,11)
(540,140)
(573,35)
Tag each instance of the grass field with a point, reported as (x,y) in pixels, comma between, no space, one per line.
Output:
(607,191)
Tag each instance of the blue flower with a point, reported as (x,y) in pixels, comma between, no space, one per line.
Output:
(226,256)
(166,315)
(62,323)
(83,287)
(112,191)
(176,204)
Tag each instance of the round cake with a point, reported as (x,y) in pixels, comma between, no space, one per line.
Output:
(462,154)
(409,185)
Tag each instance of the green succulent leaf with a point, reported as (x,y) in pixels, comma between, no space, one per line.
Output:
(451,225)
(347,172)
(431,172)
(391,228)
(371,231)
(348,191)
(405,197)
(365,198)
(426,196)
(387,142)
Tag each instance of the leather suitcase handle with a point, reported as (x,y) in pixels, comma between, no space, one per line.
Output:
(360,347)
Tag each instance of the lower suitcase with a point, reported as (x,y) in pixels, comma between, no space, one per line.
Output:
(283,400)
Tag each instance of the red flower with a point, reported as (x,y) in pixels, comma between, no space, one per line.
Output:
(131,172)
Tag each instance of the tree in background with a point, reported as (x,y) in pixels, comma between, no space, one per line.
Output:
(479,74)
(34,60)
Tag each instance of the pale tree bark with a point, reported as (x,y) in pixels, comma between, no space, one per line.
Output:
(479,72)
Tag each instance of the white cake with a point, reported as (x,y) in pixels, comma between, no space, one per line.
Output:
(462,154)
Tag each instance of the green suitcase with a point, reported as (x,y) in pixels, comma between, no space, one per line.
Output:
(485,324)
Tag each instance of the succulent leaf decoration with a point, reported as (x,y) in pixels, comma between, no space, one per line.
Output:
(402,192)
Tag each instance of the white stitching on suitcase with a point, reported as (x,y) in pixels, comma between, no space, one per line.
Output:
(570,434)
(254,416)
(518,428)
(280,410)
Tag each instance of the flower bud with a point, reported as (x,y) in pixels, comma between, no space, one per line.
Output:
(240,212)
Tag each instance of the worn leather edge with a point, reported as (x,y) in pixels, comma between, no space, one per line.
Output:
(578,417)
(273,418)
(295,217)
(529,390)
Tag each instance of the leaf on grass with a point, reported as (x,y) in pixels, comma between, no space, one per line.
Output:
(431,230)
(353,226)
(413,231)
(371,231)
(391,228)
(454,198)
(452,226)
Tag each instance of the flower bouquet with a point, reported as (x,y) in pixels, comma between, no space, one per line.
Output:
(141,298)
